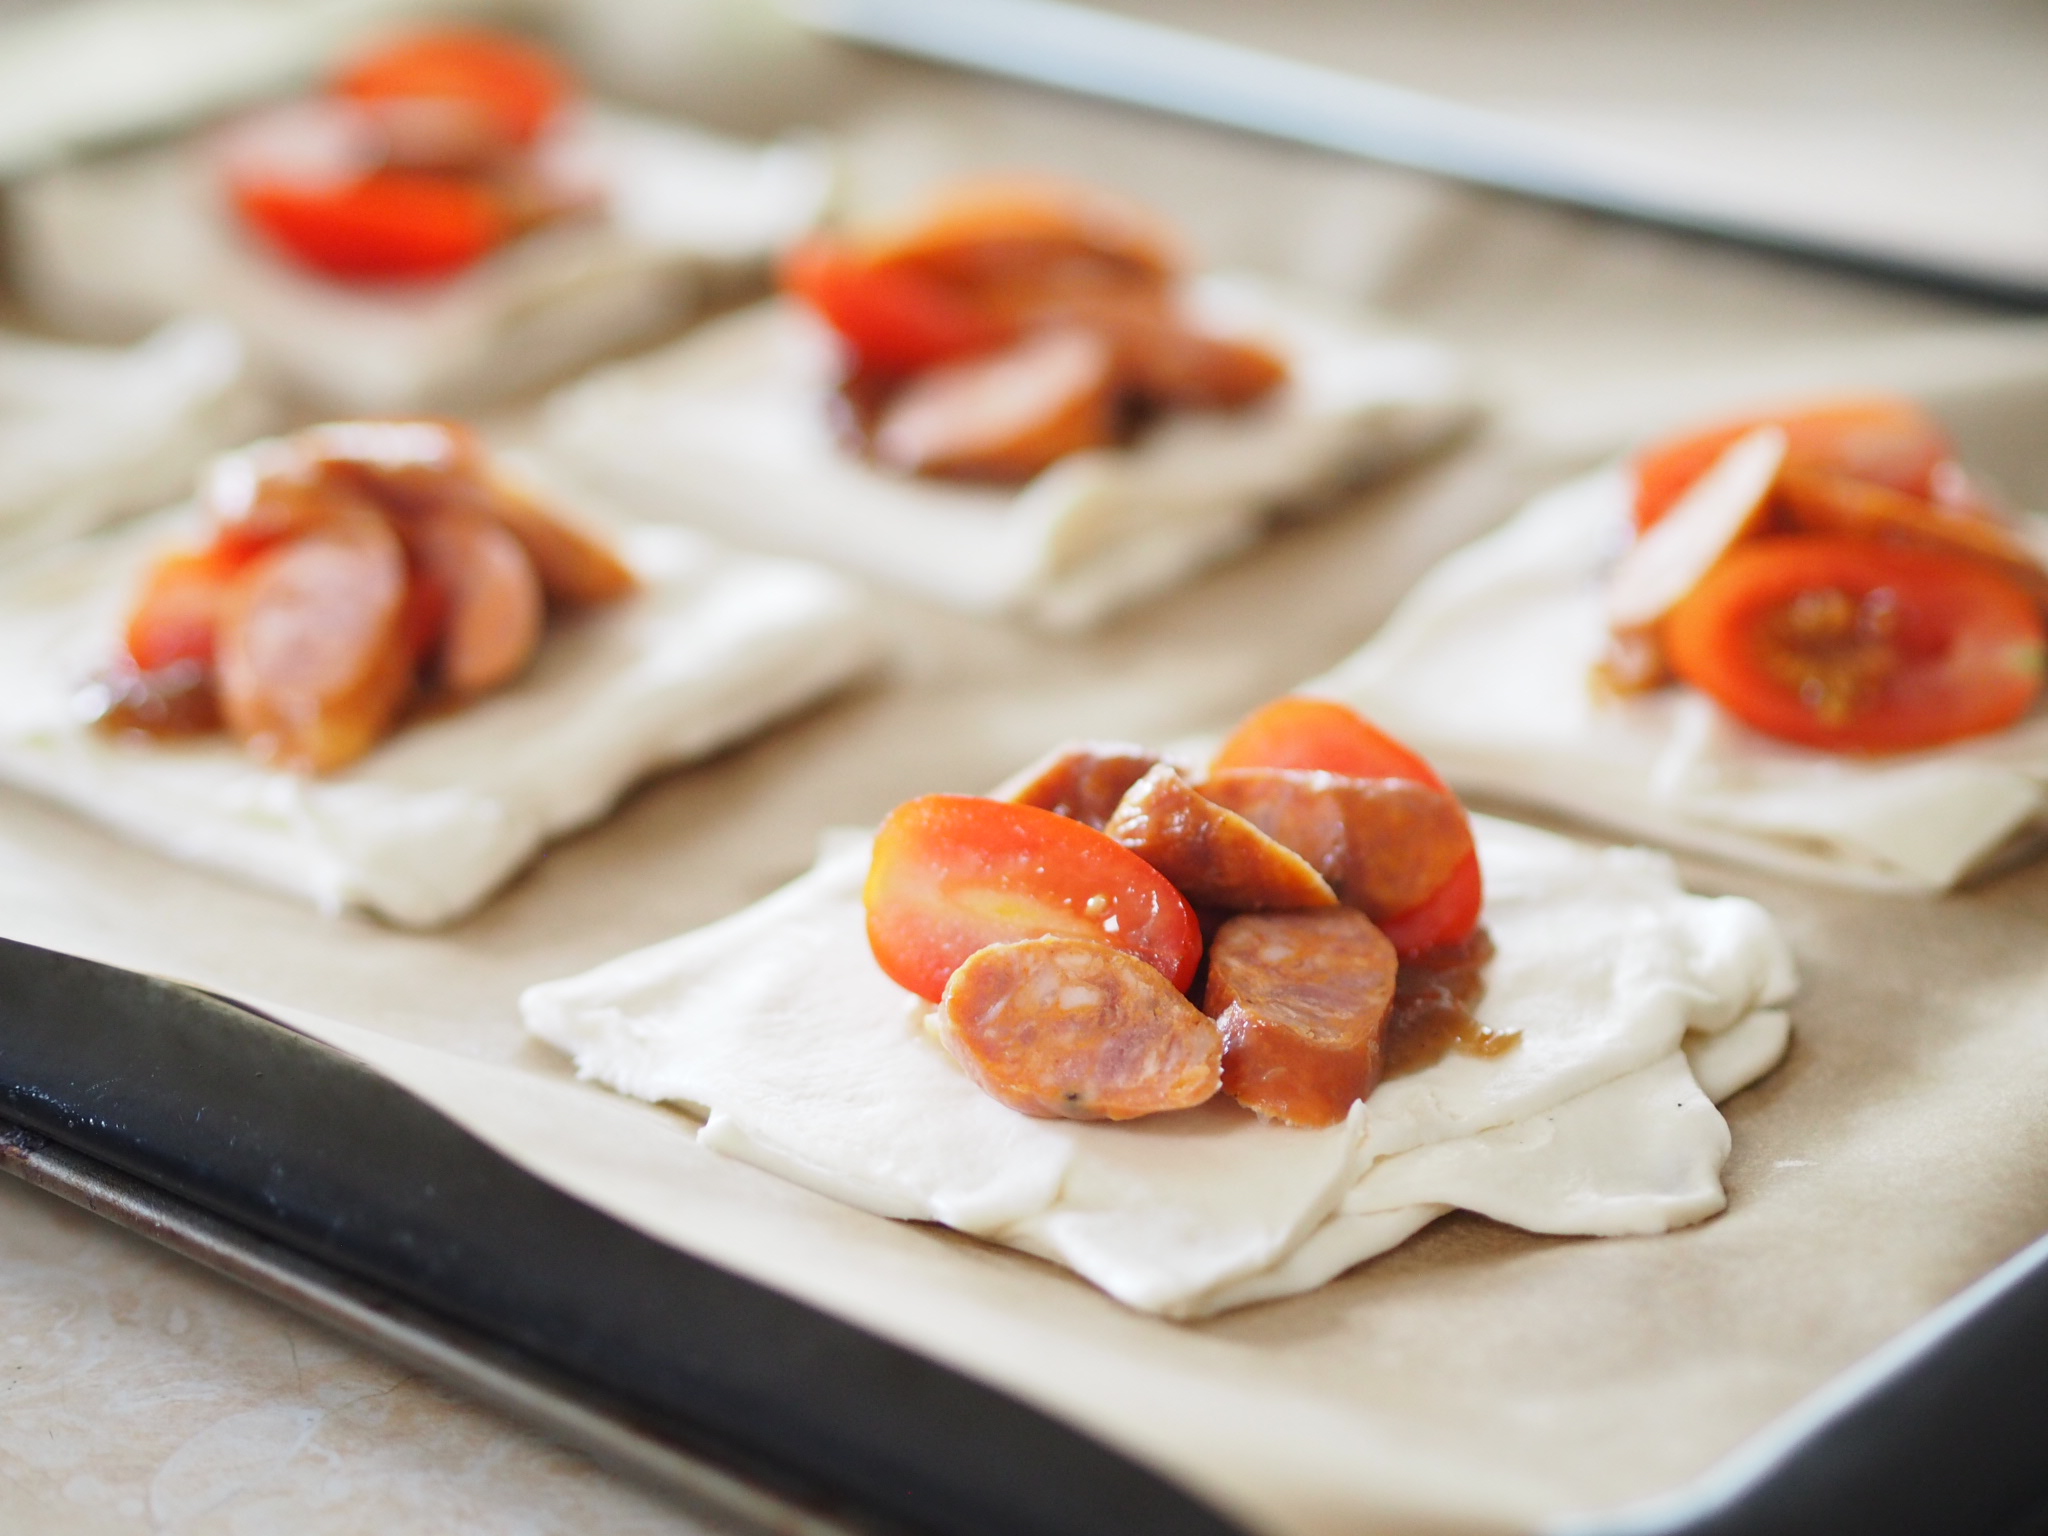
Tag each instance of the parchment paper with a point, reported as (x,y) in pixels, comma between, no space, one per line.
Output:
(1478,1378)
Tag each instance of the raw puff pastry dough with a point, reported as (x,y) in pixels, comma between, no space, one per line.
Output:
(1485,668)
(728,430)
(686,213)
(1638,1004)
(91,434)
(712,648)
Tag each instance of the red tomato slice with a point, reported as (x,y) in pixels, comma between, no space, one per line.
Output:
(954,873)
(1445,918)
(1324,736)
(1321,734)
(174,618)
(387,225)
(1856,646)
(521,86)
(895,321)
(1882,438)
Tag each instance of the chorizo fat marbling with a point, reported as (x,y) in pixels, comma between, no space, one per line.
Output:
(1301,1000)
(1072,1029)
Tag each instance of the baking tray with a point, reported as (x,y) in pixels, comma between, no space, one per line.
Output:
(289,1167)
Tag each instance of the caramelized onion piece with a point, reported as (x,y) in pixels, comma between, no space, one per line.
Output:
(312,663)
(1214,857)
(1072,1029)
(1301,999)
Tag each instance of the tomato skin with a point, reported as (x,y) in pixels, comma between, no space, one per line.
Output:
(1448,916)
(175,617)
(1322,736)
(1882,438)
(389,226)
(895,321)
(1325,736)
(954,873)
(520,86)
(1962,653)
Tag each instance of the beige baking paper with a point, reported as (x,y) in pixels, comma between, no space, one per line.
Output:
(1478,1378)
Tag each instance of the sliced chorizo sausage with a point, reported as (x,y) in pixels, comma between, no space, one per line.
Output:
(1083,781)
(1213,855)
(1072,1029)
(311,655)
(1301,1000)
(1385,845)
(575,566)
(1006,416)
(493,609)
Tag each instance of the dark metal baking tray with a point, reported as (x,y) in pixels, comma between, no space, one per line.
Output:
(292,1168)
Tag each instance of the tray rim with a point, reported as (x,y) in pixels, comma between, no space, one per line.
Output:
(1826,1458)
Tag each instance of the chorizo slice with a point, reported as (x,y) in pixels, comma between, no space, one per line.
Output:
(1072,1029)
(413,467)
(1384,845)
(1006,416)
(1083,781)
(311,654)
(1161,356)
(493,609)
(576,567)
(1213,855)
(1301,1000)
(263,493)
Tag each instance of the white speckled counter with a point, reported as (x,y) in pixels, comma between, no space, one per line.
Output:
(138,1393)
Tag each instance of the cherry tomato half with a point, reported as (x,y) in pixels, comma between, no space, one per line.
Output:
(895,321)
(519,85)
(1883,439)
(1852,645)
(1445,918)
(954,873)
(175,617)
(1321,734)
(389,225)
(1324,736)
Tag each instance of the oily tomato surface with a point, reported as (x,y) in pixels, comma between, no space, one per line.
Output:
(1324,736)
(1851,645)
(954,873)
(1449,916)
(894,320)
(390,225)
